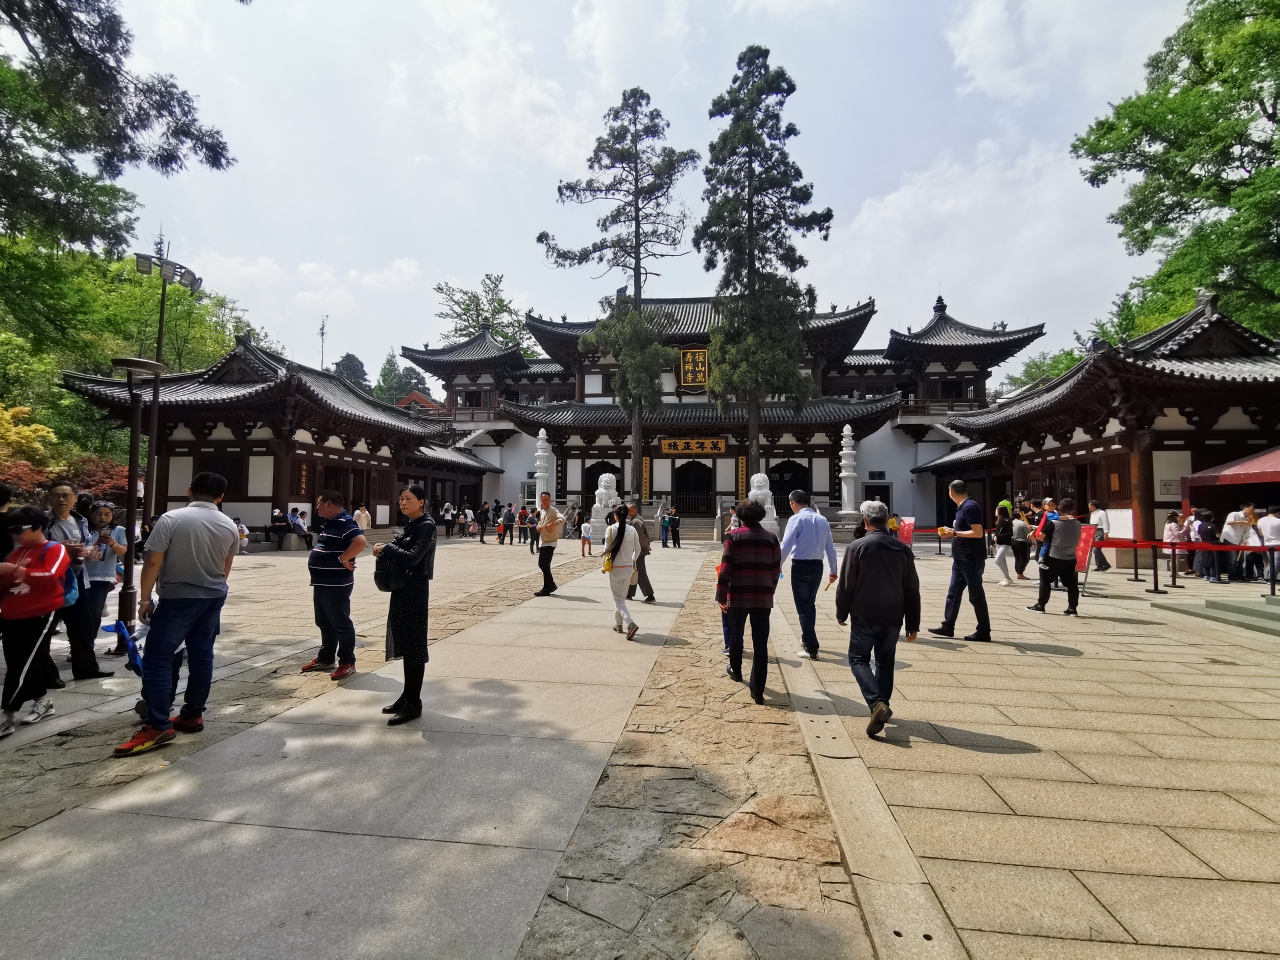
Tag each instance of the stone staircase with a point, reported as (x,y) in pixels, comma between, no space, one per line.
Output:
(1261,615)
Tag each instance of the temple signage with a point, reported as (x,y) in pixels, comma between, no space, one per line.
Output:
(716,445)
(691,373)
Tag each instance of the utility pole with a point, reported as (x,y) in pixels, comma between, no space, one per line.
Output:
(324,320)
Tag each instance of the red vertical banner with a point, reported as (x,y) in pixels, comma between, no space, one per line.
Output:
(1084,546)
(906,529)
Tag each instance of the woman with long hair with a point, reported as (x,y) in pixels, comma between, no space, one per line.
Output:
(621,546)
(413,554)
(749,571)
(108,539)
(1004,543)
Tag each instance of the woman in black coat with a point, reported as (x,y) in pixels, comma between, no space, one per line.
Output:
(414,555)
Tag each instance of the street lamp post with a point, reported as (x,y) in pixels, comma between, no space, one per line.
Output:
(128,610)
(169,271)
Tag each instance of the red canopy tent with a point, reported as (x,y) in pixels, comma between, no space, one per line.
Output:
(1254,472)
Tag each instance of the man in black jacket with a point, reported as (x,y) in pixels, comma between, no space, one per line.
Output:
(879,589)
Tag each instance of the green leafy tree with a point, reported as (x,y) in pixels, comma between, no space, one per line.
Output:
(636,173)
(396,382)
(76,117)
(1198,148)
(351,368)
(756,207)
(467,310)
(1039,368)
(630,338)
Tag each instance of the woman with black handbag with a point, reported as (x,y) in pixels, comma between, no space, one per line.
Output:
(404,568)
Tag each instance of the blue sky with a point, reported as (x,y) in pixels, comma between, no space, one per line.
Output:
(381,155)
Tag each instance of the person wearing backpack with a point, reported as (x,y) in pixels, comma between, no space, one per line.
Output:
(33,584)
(72,531)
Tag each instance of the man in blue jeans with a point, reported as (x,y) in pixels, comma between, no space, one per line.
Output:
(968,559)
(880,591)
(189,556)
(806,542)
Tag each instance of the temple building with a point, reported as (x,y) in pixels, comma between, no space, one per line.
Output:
(281,432)
(896,401)
(1127,422)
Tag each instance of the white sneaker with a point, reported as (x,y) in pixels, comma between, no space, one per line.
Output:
(1006,582)
(6,724)
(804,654)
(39,710)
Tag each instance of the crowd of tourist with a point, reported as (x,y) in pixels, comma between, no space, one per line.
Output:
(61,564)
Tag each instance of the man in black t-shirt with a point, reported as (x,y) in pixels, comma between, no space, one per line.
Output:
(968,558)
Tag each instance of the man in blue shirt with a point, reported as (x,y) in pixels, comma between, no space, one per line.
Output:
(968,558)
(807,540)
(332,564)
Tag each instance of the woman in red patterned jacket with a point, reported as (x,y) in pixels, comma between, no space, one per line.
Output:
(749,571)
(31,594)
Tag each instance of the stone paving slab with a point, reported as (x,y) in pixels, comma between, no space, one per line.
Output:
(218,890)
(1112,776)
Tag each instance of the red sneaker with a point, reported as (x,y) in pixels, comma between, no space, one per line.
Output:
(344,670)
(148,738)
(183,725)
(315,665)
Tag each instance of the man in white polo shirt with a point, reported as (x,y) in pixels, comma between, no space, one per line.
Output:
(189,555)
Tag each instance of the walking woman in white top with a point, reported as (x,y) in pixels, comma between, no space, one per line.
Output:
(621,547)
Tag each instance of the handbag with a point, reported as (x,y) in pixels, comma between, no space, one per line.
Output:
(472,528)
(635,576)
(608,564)
(387,576)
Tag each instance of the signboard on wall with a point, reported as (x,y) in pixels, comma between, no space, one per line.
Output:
(708,445)
(692,369)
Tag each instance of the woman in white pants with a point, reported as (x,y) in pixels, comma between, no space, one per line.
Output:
(621,546)
(1004,543)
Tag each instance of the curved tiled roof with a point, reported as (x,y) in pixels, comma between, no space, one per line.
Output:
(945,335)
(868,358)
(451,457)
(250,375)
(967,456)
(828,411)
(1200,349)
(483,351)
(689,320)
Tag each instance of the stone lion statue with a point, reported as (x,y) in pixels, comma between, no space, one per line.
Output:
(607,493)
(762,495)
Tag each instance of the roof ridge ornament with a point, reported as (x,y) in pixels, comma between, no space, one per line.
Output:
(939,306)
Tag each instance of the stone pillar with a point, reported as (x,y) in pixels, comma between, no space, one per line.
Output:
(542,466)
(848,459)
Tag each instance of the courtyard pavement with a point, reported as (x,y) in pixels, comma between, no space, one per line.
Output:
(1100,787)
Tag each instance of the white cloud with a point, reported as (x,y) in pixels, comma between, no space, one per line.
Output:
(1017,50)
(222,272)
(483,85)
(400,271)
(316,273)
(1009,237)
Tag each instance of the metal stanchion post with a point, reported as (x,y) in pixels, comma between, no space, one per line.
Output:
(1155,570)
(1271,557)
(1135,578)
(1173,566)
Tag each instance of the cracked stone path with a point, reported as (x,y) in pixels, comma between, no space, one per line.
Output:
(318,830)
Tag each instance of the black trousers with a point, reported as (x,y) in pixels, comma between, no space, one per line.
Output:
(545,555)
(759,643)
(675,536)
(24,677)
(642,581)
(82,630)
(332,606)
(1064,570)
(1021,555)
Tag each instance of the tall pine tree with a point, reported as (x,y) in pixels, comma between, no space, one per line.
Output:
(756,207)
(637,173)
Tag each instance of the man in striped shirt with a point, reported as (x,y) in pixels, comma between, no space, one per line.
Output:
(332,564)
